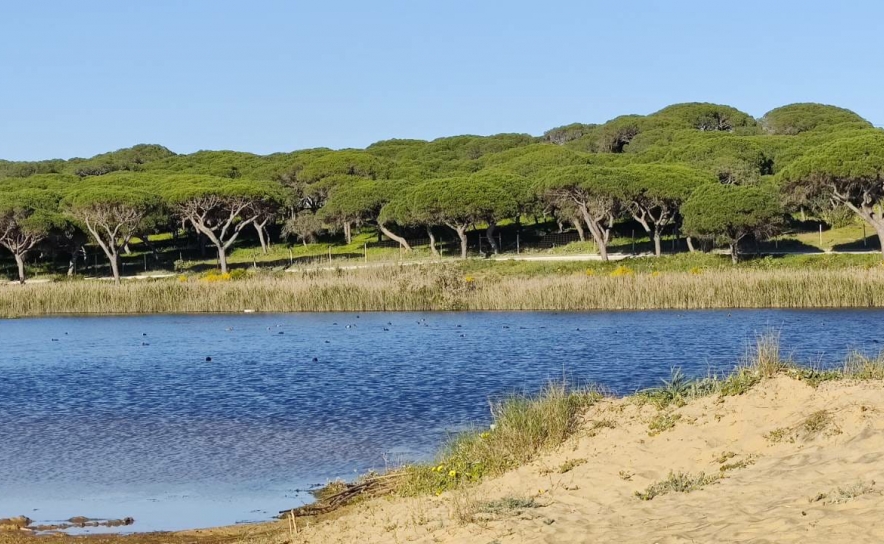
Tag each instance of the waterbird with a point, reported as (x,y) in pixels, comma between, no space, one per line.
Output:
(315,360)
(280,332)
(327,342)
(208,359)
(386,329)
(55,339)
(144,334)
(145,344)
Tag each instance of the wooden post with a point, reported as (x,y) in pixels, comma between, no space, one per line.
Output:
(145,262)
(518,243)
(821,235)
(864,236)
(633,240)
(365,251)
(291,257)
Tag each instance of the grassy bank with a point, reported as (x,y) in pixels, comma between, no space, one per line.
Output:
(639,284)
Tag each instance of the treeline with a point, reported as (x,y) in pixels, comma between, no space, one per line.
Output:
(706,171)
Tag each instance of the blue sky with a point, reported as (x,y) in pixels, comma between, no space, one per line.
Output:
(84,77)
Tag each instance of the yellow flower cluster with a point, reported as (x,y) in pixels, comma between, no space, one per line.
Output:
(214,277)
(622,271)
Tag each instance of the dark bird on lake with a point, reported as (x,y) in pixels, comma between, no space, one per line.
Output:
(208,359)
(386,329)
(55,339)
(315,360)
(145,344)
(327,342)
(144,334)
(280,332)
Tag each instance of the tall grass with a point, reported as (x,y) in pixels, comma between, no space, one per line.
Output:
(448,287)
(522,428)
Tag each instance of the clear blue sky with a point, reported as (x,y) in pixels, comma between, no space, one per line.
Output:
(90,76)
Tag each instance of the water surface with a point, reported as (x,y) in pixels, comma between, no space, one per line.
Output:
(123,416)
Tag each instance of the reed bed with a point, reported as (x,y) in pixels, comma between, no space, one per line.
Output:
(446,287)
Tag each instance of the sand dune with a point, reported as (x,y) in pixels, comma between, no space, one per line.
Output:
(802,464)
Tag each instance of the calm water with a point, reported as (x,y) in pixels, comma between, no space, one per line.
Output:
(123,416)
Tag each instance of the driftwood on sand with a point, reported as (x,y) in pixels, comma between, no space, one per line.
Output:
(329,500)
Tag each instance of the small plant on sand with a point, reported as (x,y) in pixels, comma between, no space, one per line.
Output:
(677,482)
(570,465)
(737,465)
(724,457)
(507,506)
(600,424)
(662,422)
(780,434)
(818,422)
(844,494)
(625,475)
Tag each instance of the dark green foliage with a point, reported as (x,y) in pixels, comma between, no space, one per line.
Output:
(730,213)
(567,133)
(797,118)
(705,117)
(132,159)
(848,172)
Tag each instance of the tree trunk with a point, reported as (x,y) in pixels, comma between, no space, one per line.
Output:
(690,242)
(735,252)
(580,232)
(115,267)
(561,225)
(462,234)
(402,241)
(489,233)
(432,241)
(880,230)
(20,261)
(222,259)
(347,233)
(261,238)
(598,235)
(658,243)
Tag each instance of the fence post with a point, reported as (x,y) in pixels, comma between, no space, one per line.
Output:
(821,235)
(865,243)
(633,240)
(291,257)
(365,251)
(518,243)
(329,254)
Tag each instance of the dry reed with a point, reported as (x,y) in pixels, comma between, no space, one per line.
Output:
(445,287)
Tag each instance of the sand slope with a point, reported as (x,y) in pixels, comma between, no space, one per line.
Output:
(798,444)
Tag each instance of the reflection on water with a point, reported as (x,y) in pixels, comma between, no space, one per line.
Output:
(123,416)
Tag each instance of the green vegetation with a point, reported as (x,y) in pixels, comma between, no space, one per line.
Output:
(706,171)
(522,427)
(677,482)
